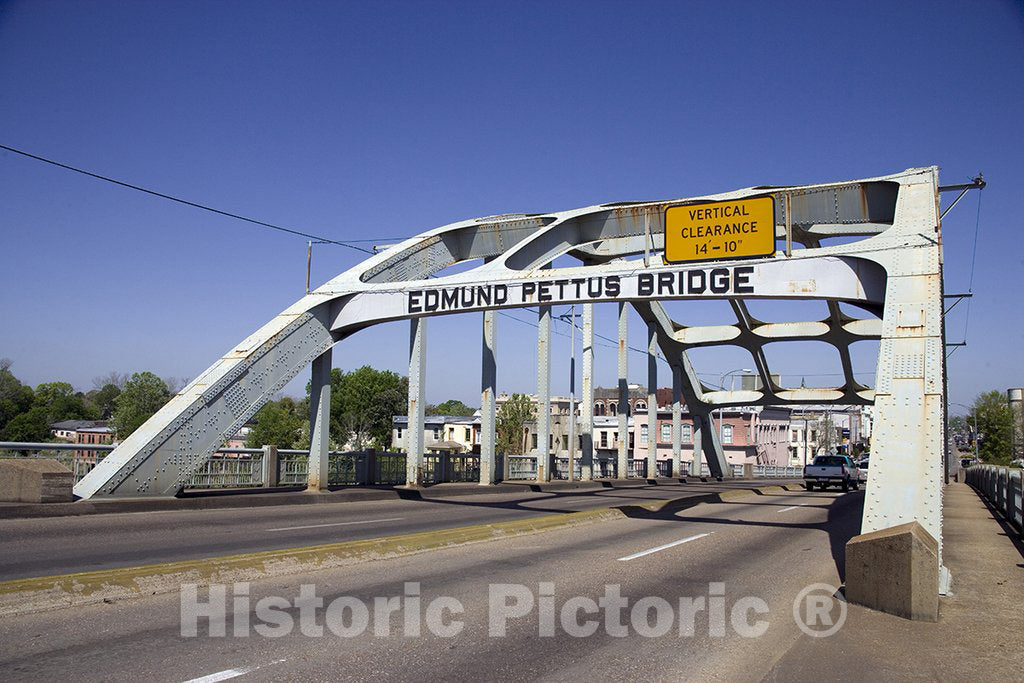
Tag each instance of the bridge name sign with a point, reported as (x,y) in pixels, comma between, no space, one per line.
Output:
(667,283)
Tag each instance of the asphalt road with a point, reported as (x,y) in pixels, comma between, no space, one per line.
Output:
(63,545)
(725,556)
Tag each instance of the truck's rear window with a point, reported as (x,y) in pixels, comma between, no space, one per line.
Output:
(829,460)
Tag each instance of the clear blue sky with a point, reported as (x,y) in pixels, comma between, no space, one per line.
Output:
(374,120)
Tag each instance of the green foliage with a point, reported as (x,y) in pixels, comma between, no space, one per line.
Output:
(995,427)
(32,425)
(143,395)
(60,402)
(279,423)
(450,407)
(363,403)
(515,413)
(15,397)
(26,415)
(104,399)
(958,424)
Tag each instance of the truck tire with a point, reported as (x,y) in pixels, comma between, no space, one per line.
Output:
(846,485)
(809,486)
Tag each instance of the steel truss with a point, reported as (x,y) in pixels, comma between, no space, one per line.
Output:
(888,266)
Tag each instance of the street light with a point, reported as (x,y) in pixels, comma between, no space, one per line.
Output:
(721,411)
(974,417)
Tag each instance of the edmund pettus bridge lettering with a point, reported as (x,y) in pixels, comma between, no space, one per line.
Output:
(711,281)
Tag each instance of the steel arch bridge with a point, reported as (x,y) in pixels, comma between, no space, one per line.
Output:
(888,264)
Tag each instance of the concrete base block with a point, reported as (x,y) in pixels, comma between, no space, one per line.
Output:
(895,570)
(35,480)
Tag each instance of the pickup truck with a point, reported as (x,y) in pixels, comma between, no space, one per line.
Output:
(834,470)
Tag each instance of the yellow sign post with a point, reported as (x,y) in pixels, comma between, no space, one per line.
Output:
(720,230)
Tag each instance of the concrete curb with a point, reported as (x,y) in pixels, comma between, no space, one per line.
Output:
(23,596)
(251,498)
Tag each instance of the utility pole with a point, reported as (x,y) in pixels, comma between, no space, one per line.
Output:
(309,259)
(309,262)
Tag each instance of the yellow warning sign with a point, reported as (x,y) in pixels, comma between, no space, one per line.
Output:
(720,230)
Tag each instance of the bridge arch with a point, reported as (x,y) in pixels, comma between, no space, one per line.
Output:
(872,245)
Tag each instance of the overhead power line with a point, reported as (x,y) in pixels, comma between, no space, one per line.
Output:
(350,243)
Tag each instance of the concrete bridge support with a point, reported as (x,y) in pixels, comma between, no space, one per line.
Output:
(677,420)
(320,423)
(417,399)
(544,394)
(587,407)
(623,409)
(652,400)
(488,389)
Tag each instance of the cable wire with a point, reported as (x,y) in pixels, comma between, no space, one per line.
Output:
(974,255)
(186,202)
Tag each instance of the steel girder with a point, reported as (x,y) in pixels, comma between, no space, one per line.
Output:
(892,271)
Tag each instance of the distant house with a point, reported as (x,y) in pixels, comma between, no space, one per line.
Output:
(93,435)
(441,433)
(86,432)
(67,430)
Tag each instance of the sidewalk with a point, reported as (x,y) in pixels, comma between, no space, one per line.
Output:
(978,635)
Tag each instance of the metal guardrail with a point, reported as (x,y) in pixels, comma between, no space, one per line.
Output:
(1004,489)
(244,467)
(344,468)
(238,467)
(522,467)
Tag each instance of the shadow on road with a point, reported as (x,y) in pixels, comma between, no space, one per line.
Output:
(842,523)
(690,494)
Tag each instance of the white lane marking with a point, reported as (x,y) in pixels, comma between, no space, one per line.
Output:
(792,507)
(318,526)
(228,673)
(222,675)
(627,558)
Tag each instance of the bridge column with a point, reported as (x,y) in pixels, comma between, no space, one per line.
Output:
(319,423)
(488,386)
(652,400)
(677,419)
(587,409)
(544,393)
(623,464)
(417,399)
(710,446)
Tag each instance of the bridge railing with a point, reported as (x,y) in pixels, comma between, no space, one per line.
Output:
(1004,489)
(241,468)
(344,468)
(522,467)
(233,468)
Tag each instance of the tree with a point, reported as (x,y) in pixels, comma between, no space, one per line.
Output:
(31,425)
(15,397)
(995,427)
(60,402)
(143,395)
(826,433)
(450,407)
(175,384)
(278,423)
(105,399)
(363,403)
(513,417)
(114,377)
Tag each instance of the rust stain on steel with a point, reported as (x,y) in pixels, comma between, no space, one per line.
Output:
(803,286)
